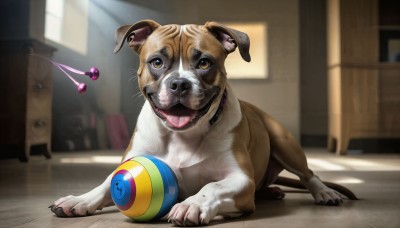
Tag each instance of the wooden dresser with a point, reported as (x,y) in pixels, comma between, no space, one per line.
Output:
(363,93)
(26,93)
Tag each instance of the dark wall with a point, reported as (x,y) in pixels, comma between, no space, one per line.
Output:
(313,73)
(14,21)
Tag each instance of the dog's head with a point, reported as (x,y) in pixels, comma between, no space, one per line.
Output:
(182,72)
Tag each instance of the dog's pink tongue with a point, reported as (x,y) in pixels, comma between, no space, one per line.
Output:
(178,121)
(178,116)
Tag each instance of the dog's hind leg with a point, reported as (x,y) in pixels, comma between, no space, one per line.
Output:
(266,192)
(289,154)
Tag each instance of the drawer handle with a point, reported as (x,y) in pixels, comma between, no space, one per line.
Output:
(39,86)
(39,123)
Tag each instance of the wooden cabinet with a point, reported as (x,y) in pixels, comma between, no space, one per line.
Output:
(363,94)
(26,91)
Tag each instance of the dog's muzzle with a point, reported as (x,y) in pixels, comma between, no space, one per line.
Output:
(179,113)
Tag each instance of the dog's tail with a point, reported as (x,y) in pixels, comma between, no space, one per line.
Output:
(293,183)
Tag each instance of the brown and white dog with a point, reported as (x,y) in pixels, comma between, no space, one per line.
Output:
(222,150)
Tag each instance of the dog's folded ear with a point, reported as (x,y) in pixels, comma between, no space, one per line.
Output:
(230,39)
(135,34)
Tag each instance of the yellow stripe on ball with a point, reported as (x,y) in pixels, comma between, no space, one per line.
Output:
(158,189)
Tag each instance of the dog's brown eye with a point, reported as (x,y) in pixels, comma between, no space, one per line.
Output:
(204,64)
(157,63)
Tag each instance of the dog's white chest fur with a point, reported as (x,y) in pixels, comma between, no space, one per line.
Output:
(198,161)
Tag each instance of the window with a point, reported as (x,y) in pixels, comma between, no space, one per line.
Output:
(236,67)
(67,23)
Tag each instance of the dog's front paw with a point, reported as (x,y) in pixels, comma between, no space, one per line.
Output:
(73,206)
(190,214)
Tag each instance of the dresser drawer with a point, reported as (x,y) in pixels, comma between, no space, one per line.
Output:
(39,84)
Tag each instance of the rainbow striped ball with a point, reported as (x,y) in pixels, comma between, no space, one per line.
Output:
(144,188)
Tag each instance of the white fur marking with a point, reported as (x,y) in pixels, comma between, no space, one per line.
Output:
(181,71)
(163,96)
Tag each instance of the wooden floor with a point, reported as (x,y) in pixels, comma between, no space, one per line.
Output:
(27,189)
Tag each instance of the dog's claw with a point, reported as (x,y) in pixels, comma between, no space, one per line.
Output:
(338,202)
(176,222)
(73,212)
(189,223)
(59,212)
(331,202)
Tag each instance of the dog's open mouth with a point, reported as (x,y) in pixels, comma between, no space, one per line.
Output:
(180,117)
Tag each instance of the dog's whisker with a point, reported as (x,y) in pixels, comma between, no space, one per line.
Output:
(137,96)
(133,77)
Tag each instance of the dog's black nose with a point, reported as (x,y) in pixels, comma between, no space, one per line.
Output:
(180,86)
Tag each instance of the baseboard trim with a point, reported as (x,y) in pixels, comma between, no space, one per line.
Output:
(365,145)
